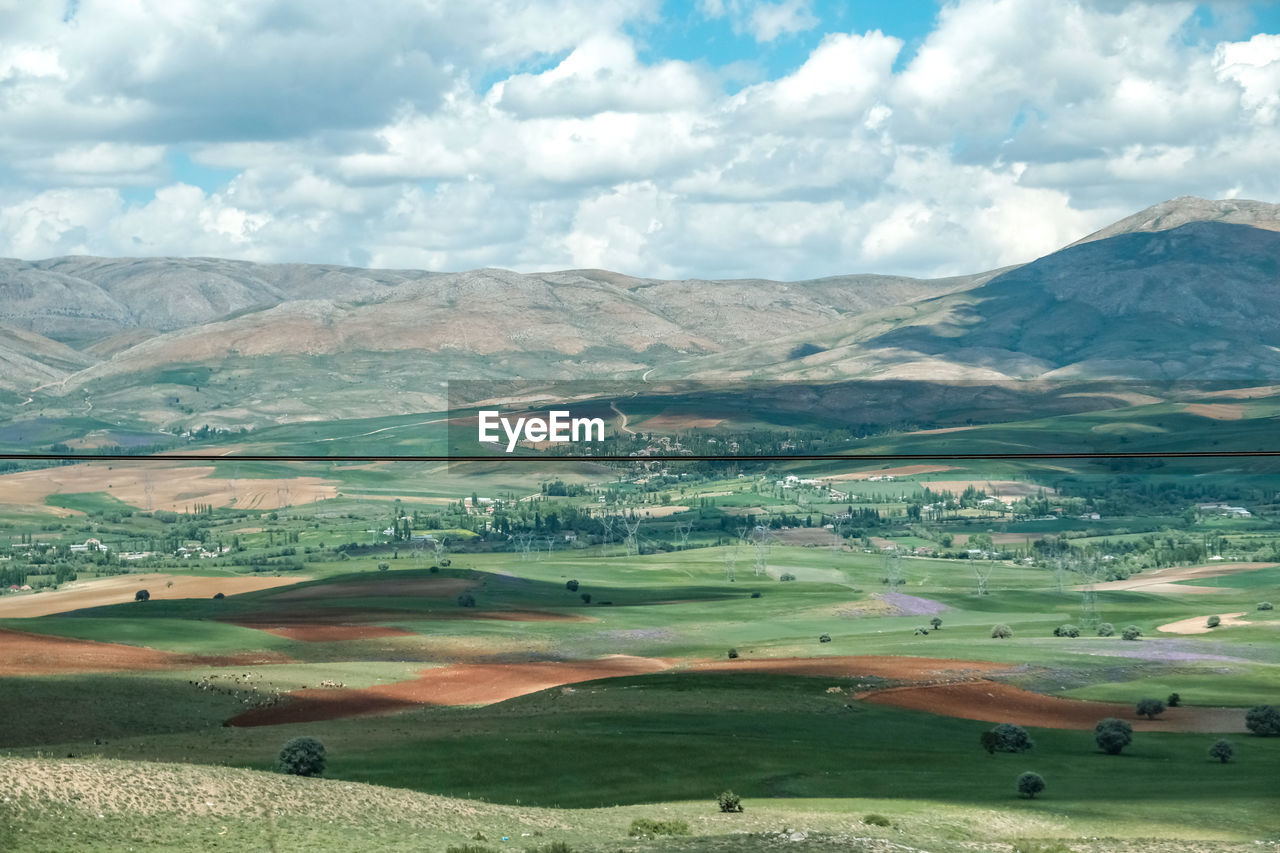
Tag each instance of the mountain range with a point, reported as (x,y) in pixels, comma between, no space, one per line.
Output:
(1187,289)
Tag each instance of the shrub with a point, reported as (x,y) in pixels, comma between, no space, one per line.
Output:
(757,594)
(586,598)
(990,741)
(1263,720)
(301,756)
(647,827)
(1132,632)
(553,847)
(1149,708)
(1030,784)
(469,848)
(1112,735)
(920,629)
(382,567)
(876,820)
(1266,605)
(935,623)
(466,600)
(1106,629)
(1222,750)
(572,586)
(1011,738)
(1067,630)
(1174,700)
(1001,632)
(787,576)
(729,802)
(1213,621)
(824,638)
(733,654)
(218,596)
(142,595)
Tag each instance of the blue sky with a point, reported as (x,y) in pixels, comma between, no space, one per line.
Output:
(713,138)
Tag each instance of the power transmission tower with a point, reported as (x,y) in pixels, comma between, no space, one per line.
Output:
(633,536)
(526,540)
(607,521)
(763,540)
(683,529)
(892,564)
(731,562)
(549,540)
(441,549)
(982,568)
(1090,617)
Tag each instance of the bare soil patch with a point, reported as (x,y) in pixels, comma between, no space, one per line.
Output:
(901,470)
(122,588)
(39,654)
(659,511)
(1003,703)
(667,422)
(457,684)
(148,486)
(1199,624)
(1163,580)
(1217,411)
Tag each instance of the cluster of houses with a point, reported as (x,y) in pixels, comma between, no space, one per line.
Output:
(1224,509)
(791,481)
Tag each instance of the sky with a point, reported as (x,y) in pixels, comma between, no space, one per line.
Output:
(784,139)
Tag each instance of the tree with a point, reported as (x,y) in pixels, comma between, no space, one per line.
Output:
(1174,700)
(301,756)
(1149,708)
(1213,621)
(990,741)
(1012,738)
(586,598)
(142,595)
(733,654)
(1067,630)
(1001,632)
(936,623)
(1112,735)
(1266,605)
(1222,750)
(1132,632)
(382,567)
(729,802)
(1263,720)
(466,600)
(824,638)
(1030,784)
(218,596)
(1106,629)
(572,586)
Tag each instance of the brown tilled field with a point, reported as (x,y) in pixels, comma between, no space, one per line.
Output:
(1163,580)
(122,588)
(39,654)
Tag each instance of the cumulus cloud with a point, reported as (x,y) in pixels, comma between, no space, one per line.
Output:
(558,133)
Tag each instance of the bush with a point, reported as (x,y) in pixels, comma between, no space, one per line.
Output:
(382,567)
(824,638)
(217,596)
(142,595)
(1263,720)
(990,742)
(1067,630)
(302,756)
(470,848)
(733,654)
(647,827)
(1112,735)
(553,847)
(572,586)
(1001,632)
(1174,700)
(757,594)
(466,600)
(1266,605)
(1030,784)
(1011,738)
(876,820)
(1149,708)
(935,623)
(1213,621)
(729,802)
(1106,629)
(786,576)
(1132,632)
(921,630)
(1222,750)
(586,598)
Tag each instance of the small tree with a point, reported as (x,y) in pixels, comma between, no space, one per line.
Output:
(1112,735)
(1132,632)
(1266,605)
(1174,700)
(1263,720)
(733,654)
(466,600)
(1213,621)
(1222,750)
(1067,630)
(586,598)
(302,756)
(1149,708)
(572,585)
(729,802)
(382,567)
(990,741)
(824,638)
(935,623)
(142,595)
(921,630)
(1001,632)
(217,596)
(1012,738)
(1030,784)
(1106,629)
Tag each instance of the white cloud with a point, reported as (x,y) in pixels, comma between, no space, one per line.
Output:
(547,134)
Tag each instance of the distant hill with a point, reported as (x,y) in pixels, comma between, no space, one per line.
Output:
(1186,289)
